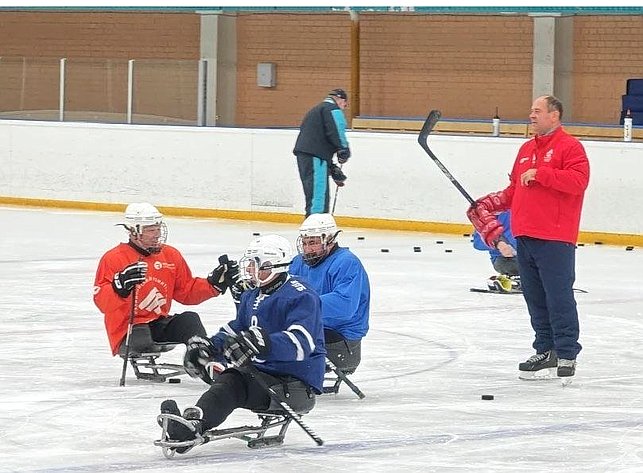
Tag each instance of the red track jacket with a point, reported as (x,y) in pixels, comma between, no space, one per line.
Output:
(550,207)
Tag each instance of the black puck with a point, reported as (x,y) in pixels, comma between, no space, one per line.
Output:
(598,242)
(629,248)
(360,237)
(448,251)
(417,249)
(439,242)
(487,397)
(581,244)
(384,250)
(256,234)
(174,380)
(466,234)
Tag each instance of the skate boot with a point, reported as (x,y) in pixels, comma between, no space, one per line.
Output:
(186,430)
(539,366)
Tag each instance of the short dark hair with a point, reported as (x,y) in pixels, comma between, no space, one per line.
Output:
(340,93)
(554,104)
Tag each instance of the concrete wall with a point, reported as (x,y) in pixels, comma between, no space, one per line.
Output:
(253,170)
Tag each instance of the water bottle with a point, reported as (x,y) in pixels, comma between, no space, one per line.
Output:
(627,126)
(496,124)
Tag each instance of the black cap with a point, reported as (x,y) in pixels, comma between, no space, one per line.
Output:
(341,93)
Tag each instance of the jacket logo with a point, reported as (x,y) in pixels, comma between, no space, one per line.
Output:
(523,160)
(153,301)
(549,155)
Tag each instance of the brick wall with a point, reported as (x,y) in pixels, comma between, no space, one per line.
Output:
(312,53)
(608,50)
(464,65)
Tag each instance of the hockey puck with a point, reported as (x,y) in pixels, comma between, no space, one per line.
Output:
(417,249)
(466,234)
(487,397)
(581,244)
(360,237)
(174,380)
(256,234)
(439,242)
(448,251)
(629,248)
(598,242)
(384,250)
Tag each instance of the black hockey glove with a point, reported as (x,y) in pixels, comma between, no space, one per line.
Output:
(343,155)
(338,176)
(236,284)
(245,345)
(217,278)
(124,281)
(200,359)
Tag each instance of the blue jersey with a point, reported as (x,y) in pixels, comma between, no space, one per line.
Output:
(505,219)
(342,283)
(292,317)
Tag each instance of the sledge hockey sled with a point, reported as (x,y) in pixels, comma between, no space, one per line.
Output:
(144,353)
(342,359)
(256,436)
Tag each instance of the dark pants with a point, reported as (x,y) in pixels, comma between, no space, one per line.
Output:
(507,266)
(345,354)
(238,388)
(313,172)
(547,277)
(176,328)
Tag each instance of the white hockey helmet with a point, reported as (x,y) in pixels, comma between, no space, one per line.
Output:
(265,258)
(316,230)
(145,225)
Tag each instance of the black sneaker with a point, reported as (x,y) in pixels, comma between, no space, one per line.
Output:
(566,368)
(540,361)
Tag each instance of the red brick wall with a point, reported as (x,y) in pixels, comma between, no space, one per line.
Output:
(410,63)
(608,50)
(312,53)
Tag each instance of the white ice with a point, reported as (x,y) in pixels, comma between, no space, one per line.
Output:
(433,349)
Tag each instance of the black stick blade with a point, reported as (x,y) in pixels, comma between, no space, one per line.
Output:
(429,123)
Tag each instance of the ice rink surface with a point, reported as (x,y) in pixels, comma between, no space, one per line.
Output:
(433,349)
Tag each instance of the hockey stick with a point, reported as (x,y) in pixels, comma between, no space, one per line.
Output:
(287,409)
(130,323)
(429,123)
(340,374)
(332,212)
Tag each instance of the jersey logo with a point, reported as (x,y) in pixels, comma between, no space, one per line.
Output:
(153,302)
(523,160)
(548,156)
(297,285)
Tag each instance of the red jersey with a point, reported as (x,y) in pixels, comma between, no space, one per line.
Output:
(168,278)
(550,207)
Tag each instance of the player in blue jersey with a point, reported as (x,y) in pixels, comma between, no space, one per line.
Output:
(278,330)
(503,257)
(340,279)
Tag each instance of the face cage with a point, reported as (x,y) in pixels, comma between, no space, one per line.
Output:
(249,270)
(153,247)
(312,259)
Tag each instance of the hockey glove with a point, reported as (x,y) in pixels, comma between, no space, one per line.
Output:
(486,224)
(343,154)
(241,348)
(217,278)
(494,202)
(134,274)
(338,176)
(200,360)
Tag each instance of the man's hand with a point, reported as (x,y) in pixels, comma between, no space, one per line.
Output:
(528,177)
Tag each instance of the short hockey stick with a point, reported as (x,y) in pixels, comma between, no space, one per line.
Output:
(340,374)
(332,212)
(130,323)
(429,123)
(287,409)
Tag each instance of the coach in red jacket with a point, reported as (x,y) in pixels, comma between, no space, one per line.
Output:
(548,183)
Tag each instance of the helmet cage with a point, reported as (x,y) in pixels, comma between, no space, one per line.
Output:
(322,226)
(264,259)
